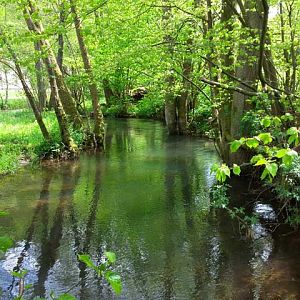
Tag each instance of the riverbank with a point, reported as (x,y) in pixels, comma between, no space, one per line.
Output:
(21,140)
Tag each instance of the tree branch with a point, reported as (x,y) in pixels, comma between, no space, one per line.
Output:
(229,87)
(193,83)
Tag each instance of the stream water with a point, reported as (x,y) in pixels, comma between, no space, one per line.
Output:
(146,199)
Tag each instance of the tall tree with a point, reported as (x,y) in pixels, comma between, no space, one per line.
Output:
(98,116)
(65,96)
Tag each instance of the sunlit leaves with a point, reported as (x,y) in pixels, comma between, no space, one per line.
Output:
(5,243)
(85,258)
(252,143)
(221,172)
(235,145)
(19,274)
(115,281)
(111,256)
(236,169)
(103,269)
(266,138)
(293,134)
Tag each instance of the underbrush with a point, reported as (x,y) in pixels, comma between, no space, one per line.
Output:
(149,107)
(21,139)
(14,104)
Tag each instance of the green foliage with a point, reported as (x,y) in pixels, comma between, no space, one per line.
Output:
(21,139)
(220,199)
(104,270)
(5,243)
(223,172)
(199,120)
(151,106)
(271,157)
(20,274)
(288,185)
(219,196)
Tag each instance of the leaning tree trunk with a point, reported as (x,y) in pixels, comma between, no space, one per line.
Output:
(98,116)
(27,90)
(53,69)
(59,112)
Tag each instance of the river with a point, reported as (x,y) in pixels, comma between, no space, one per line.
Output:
(146,198)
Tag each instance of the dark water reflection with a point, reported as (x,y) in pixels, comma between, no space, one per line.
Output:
(145,198)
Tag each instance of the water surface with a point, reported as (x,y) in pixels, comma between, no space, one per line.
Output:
(145,198)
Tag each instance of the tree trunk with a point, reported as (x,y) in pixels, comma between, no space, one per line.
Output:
(53,69)
(108,92)
(27,90)
(60,51)
(41,86)
(224,112)
(59,111)
(170,103)
(98,117)
(6,88)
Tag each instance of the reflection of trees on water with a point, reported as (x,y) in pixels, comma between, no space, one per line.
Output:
(41,210)
(90,225)
(51,243)
(218,264)
(169,222)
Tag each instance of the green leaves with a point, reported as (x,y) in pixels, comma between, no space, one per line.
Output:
(235,145)
(236,170)
(20,274)
(272,168)
(111,277)
(252,143)
(115,281)
(111,256)
(270,171)
(85,258)
(222,173)
(5,243)
(281,153)
(293,134)
(3,213)
(266,122)
(266,138)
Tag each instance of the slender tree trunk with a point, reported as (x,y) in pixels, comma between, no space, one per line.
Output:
(53,69)
(41,86)
(182,103)
(6,88)
(27,90)
(170,102)
(59,111)
(108,92)
(98,117)
(60,51)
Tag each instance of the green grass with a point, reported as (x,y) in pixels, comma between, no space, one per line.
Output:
(16,100)
(20,138)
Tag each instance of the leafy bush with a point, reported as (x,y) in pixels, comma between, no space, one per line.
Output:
(201,120)
(150,107)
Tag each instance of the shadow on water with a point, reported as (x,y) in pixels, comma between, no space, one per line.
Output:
(41,210)
(145,198)
(90,224)
(51,243)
